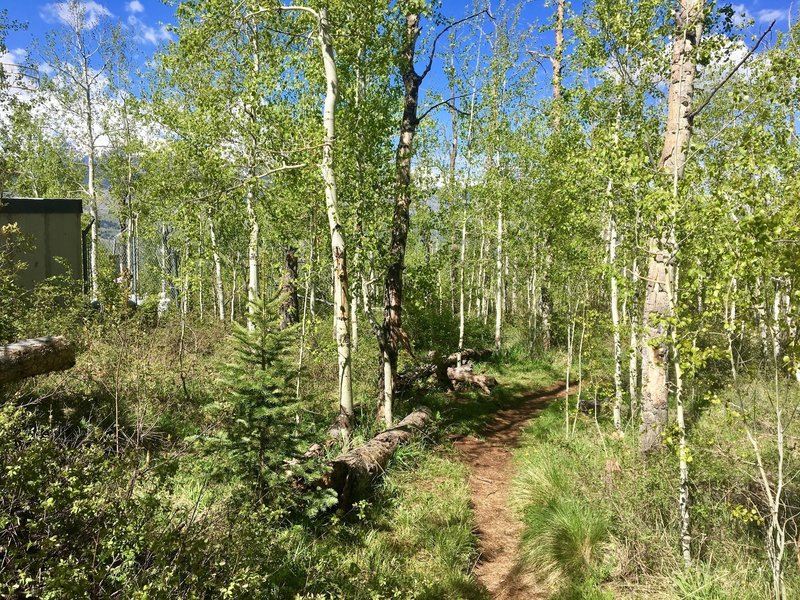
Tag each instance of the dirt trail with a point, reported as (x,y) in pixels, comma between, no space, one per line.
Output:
(491,471)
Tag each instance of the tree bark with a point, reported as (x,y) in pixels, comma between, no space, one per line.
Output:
(353,473)
(290,305)
(689,21)
(218,288)
(393,334)
(556,63)
(498,301)
(612,258)
(437,365)
(341,304)
(37,356)
(464,374)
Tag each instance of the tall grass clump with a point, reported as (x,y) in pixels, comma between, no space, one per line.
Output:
(564,532)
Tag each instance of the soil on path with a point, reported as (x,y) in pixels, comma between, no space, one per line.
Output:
(491,471)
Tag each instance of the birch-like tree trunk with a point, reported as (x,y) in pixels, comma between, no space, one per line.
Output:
(341,301)
(673,160)
(252,256)
(633,344)
(556,63)
(683,449)
(218,287)
(498,308)
(612,260)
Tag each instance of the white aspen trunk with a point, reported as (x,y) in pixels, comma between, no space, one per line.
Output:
(776,528)
(334,315)
(185,286)
(463,256)
(612,265)
(498,340)
(252,258)
(218,288)
(354,321)
(504,287)
(341,305)
(388,390)
(683,451)
(730,322)
(612,259)
(91,176)
(633,349)
(513,307)
(791,330)
(570,344)
(580,367)
(303,318)
(471,290)
(480,296)
(200,274)
(761,310)
(129,256)
(776,323)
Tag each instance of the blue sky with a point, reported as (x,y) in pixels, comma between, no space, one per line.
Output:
(144,18)
(147,19)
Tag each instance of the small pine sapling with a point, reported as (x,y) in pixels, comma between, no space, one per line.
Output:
(262,426)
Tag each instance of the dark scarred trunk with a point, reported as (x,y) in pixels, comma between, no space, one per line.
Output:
(393,335)
(290,306)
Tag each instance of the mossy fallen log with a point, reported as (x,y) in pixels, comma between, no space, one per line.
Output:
(37,356)
(353,473)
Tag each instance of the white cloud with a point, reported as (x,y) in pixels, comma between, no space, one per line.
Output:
(145,34)
(773,14)
(741,16)
(19,77)
(134,6)
(88,13)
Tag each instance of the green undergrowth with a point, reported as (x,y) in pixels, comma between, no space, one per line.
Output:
(601,521)
(468,411)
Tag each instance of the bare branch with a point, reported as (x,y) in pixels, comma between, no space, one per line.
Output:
(449,102)
(696,112)
(445,30)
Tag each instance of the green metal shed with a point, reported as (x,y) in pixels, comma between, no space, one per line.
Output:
(54,228)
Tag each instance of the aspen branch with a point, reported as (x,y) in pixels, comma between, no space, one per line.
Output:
(449,102)
(247,180)
(717,88)
(445,30)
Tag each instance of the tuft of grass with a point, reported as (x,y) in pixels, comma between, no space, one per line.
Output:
(563,539)
(540,481)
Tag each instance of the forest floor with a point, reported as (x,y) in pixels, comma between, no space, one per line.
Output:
(488,456)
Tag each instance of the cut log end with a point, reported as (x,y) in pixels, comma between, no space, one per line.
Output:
(37,356)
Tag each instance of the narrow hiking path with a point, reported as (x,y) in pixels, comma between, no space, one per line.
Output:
(491,471)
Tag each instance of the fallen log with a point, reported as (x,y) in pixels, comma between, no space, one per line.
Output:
(436,365)
(27,358)
(353,473)
(464,374)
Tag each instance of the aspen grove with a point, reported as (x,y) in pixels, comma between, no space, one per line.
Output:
(400,299)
